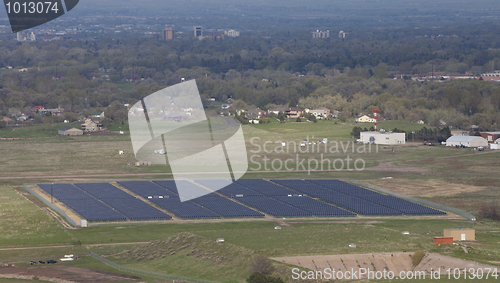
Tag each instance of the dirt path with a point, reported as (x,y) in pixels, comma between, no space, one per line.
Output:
(72,246)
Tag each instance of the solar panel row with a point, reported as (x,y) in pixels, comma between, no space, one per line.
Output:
(82,203)
(305,203)
(401,205)
(126,204)
(208,206)
(275,200)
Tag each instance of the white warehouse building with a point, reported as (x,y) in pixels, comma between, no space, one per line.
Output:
(387,138)
(467,141)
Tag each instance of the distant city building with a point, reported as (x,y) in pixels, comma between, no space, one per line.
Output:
(24,36)
(232,33)
(320,34)
(168,33)
(198,31)
(342,35)
(213,36)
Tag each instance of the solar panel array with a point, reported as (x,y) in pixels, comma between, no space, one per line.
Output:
(279,198)
(357,199)
(404,206)
(275,200)
(81,202)
(164,194)
(126,204)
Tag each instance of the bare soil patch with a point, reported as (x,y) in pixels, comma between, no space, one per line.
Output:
(389,166)
(395,262)
(424,188)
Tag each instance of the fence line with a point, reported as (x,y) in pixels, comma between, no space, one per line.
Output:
(51,205)
(457,211)
(148,273)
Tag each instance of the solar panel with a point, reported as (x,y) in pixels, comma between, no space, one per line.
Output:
(126,204)
(392,202)
(342,200)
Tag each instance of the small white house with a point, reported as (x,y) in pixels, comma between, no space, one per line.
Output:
(467,141)
(219,240)
(386,138)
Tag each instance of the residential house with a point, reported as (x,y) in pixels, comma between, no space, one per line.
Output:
(365,119)
(320,113)
(91,126)
(255,113)
(22,118)
(293,112)
(37,108)
(277,110)
(53,111)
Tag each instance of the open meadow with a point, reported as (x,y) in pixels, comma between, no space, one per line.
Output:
(454,177)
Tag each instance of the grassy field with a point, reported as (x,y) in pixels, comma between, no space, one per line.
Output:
(24,224)
(47,158)
(98,155)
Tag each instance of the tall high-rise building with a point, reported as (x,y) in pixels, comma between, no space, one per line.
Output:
(168,33)
(320,34)
(198,31)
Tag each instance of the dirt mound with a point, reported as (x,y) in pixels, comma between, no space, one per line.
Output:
(187,253)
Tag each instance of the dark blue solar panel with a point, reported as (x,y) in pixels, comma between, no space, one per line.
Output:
(225,207)
(93,210)
(186,209)
(401,205)
(313,206)
(64,191)
(231,190)
(351,203)
(265,188)
(126,204)
(293,198)
(146,189)
(272,206)
(81,202)
(344,187)
(103,190)
(212,202)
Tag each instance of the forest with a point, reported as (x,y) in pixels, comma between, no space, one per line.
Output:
(371,68)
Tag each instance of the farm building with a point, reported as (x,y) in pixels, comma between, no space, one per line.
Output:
(387,138)
(461,234)
(490,136)
(495,144)
(443,240)
(467,141)
(70,131)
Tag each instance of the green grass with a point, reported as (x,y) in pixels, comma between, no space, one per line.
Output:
(22,223)
(37,131)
